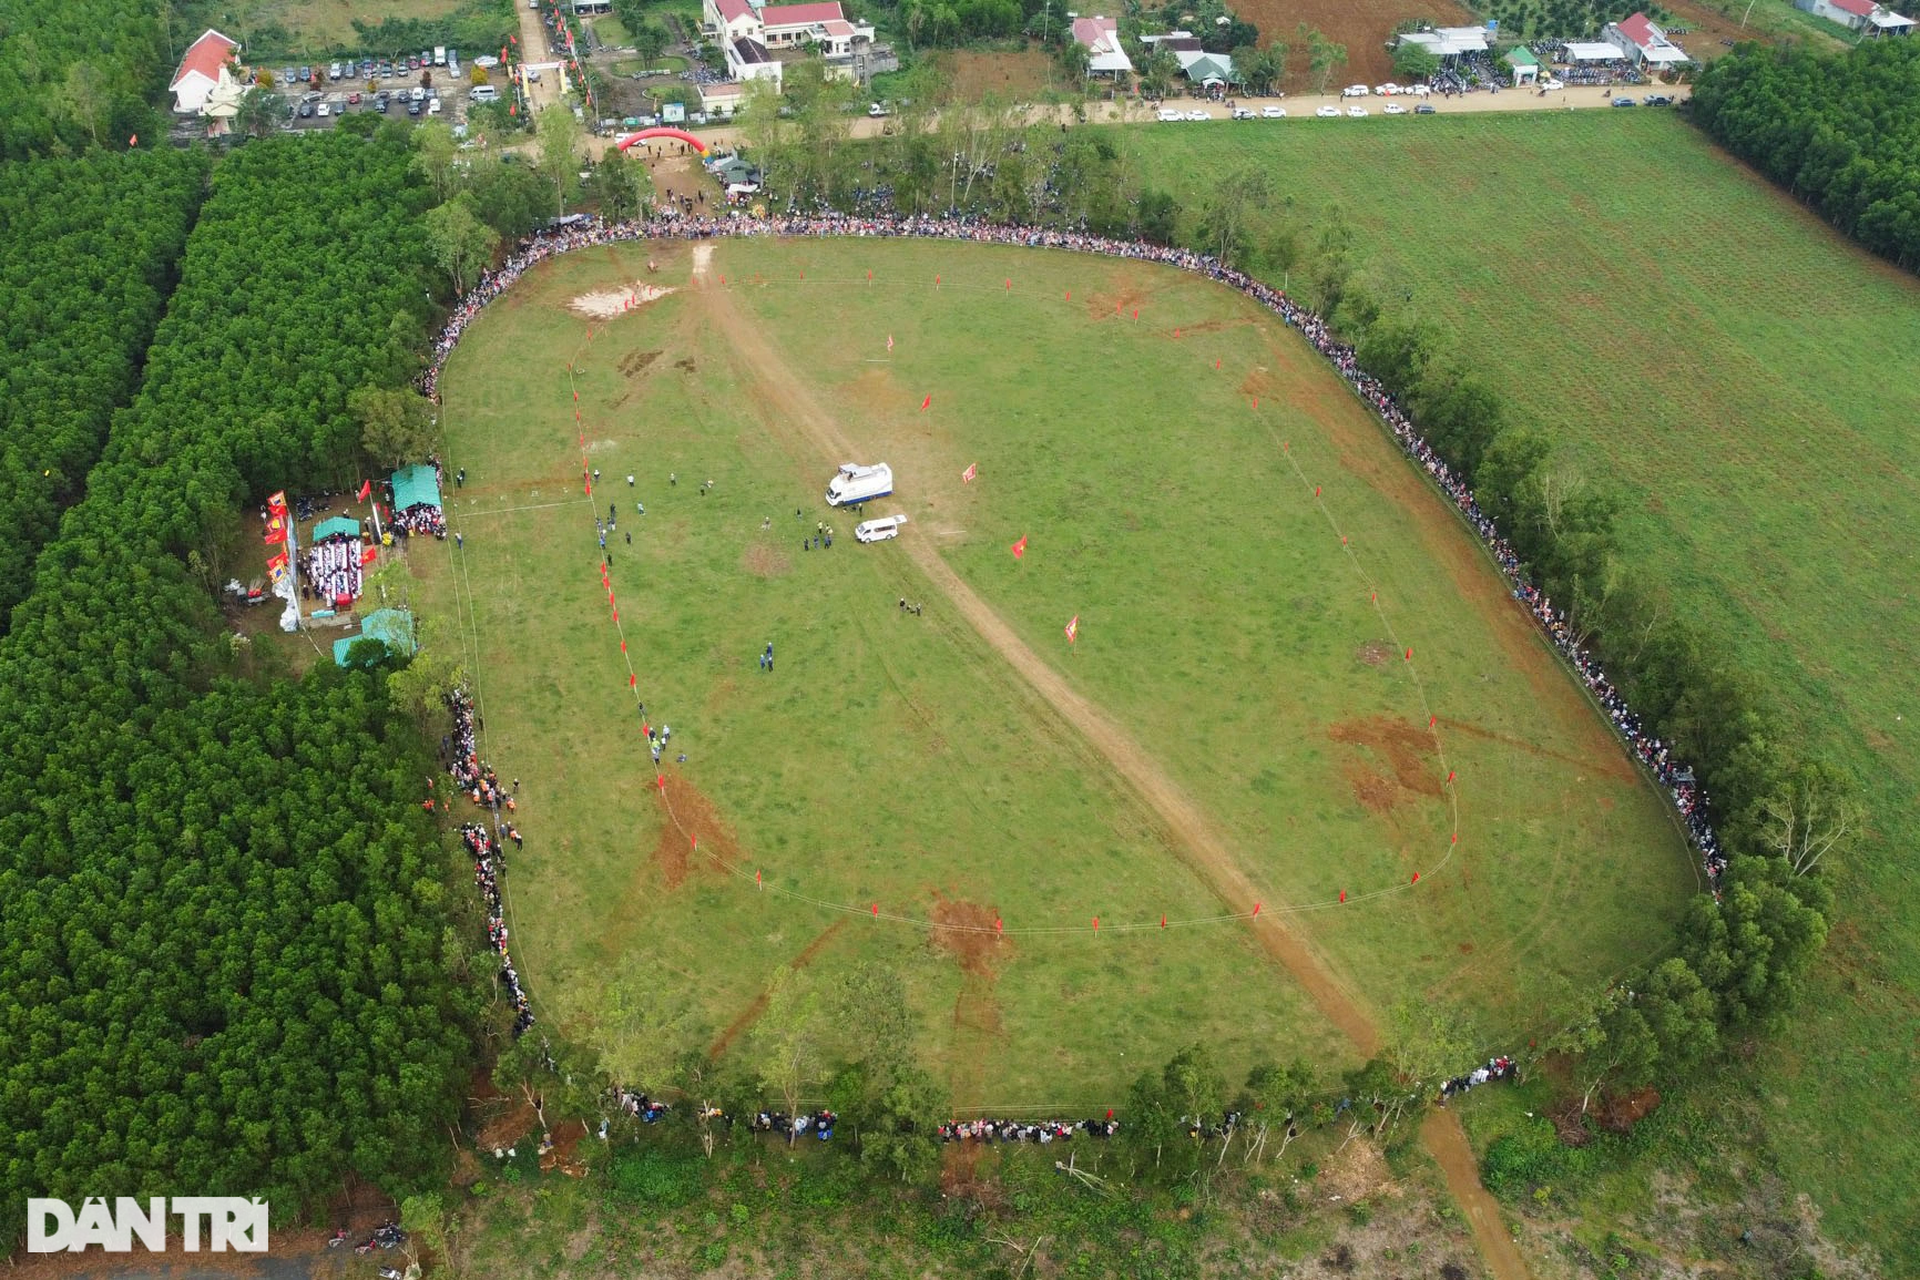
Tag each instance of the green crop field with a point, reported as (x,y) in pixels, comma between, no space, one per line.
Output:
(938,764)
(1741,375)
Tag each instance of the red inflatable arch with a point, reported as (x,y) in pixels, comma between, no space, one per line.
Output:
(679,135)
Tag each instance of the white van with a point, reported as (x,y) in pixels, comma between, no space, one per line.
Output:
(439,55)
(878,530)
(857,483)
(483,93)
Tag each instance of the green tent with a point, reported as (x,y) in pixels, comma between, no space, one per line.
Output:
(393,627)
(414,486)
(338,524)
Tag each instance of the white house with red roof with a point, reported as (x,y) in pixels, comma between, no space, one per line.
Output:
(208,63)
(1640,41)
(1859,15)
(751,35)
(1100,37)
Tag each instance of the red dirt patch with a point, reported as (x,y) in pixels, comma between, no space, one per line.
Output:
(1375,793)
(751,1014)
(1375,653)
(1364,26)
(1608,765)
(692,817)
(1009,76)
(560,1156)
(1621,1114)
(763,561)
(1402,747)
(966,930)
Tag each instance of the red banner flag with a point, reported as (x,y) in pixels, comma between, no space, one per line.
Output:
(973,469)
(366,489)
(277,503)
(1073,629)
(276,531)
(1020,547)
(277,562)
(369,554)
(924,404)
(134,141)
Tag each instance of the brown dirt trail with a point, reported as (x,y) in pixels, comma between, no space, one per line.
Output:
(793,407)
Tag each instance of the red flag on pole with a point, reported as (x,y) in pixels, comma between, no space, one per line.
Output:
(889,342)
(1343,895)
(1073,629)
(134,141)
(1416,877)
(366,488)
(369,554)
(973,469)
(924,404)
(277,503)
(276,531)
(1020,547)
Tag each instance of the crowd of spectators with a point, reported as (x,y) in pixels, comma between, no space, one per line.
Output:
(461,752)
(1026,1130)
(420,519)
(1500,1068)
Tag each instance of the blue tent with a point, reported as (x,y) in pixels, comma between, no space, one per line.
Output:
(414,486)
(393,627)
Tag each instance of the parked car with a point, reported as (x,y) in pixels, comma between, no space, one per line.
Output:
(876,109)
(1328,112)
(1357,113)
(1244,113)
(1197,114)
(1388,89)
(333,71)
(306,73)
(1273,113)
(1355,91)
(1625,102)
(1659,100)
(413,107)
(323,110)
(1394,109)
(354,98)
(1168,115)
(433,106)
(1424,109)
(306,111)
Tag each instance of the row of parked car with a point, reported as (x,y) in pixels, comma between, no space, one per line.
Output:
(1387,90)
(1329,112)
(418,101)
(372,69)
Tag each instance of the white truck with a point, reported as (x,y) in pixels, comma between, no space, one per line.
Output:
(878,530)
(439,55)
(857,483)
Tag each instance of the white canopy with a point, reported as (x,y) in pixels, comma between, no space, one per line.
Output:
(1591,51)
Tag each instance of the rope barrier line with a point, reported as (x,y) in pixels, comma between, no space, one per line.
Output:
(872,910)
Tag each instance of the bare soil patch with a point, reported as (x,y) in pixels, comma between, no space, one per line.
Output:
(694,819)
(763,561)
(1375,653)
(966,931)
(634,363)
(1363,26)
(975,74)
(605,304)
(1404,748)
(1609,764)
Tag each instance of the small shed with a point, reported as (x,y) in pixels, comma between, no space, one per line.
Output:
(1526,67)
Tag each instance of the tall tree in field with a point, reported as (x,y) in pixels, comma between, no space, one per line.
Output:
(788,1036)
(1237,195)
(397,426)
(85,98)
(460,242)
(559,135)
(434,151)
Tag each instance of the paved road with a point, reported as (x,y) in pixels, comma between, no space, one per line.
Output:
(533,48)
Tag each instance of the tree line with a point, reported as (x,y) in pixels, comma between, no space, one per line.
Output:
(77,73)
(230,959)
(93,245)
(1837,131)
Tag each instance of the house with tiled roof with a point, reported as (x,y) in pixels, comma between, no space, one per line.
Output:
(752,36)
(1641,42)
(1864,16)
(1100,37)
(207,64)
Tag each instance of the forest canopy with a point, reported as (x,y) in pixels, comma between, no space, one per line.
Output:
(1839,132)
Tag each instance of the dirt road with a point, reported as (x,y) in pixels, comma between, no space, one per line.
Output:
(798,413)
(533,49)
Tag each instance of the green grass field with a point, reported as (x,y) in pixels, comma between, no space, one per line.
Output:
(901,760)
(1739,373)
